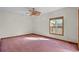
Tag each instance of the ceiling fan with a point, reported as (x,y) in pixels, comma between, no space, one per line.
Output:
(33,12)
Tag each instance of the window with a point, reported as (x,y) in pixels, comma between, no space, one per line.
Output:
(56,25)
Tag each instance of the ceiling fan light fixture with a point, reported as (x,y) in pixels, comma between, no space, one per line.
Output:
(33,12)
(36,13)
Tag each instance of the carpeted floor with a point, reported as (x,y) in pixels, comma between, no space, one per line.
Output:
(36,43)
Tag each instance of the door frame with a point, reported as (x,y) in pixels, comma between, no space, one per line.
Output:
(78,27)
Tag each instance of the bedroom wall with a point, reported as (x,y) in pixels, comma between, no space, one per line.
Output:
(12,24)
(41,24)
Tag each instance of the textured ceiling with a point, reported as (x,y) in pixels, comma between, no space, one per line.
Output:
(23,10)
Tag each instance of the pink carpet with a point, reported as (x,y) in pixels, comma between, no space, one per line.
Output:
(35,43)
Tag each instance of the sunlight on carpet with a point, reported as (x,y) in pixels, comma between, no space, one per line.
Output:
(35,38)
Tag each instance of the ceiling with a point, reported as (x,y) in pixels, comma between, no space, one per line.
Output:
(23,10)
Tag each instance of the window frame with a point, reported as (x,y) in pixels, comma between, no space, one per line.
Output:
(62,17)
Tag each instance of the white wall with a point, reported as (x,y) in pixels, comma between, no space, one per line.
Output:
(12,24)
(41,24)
